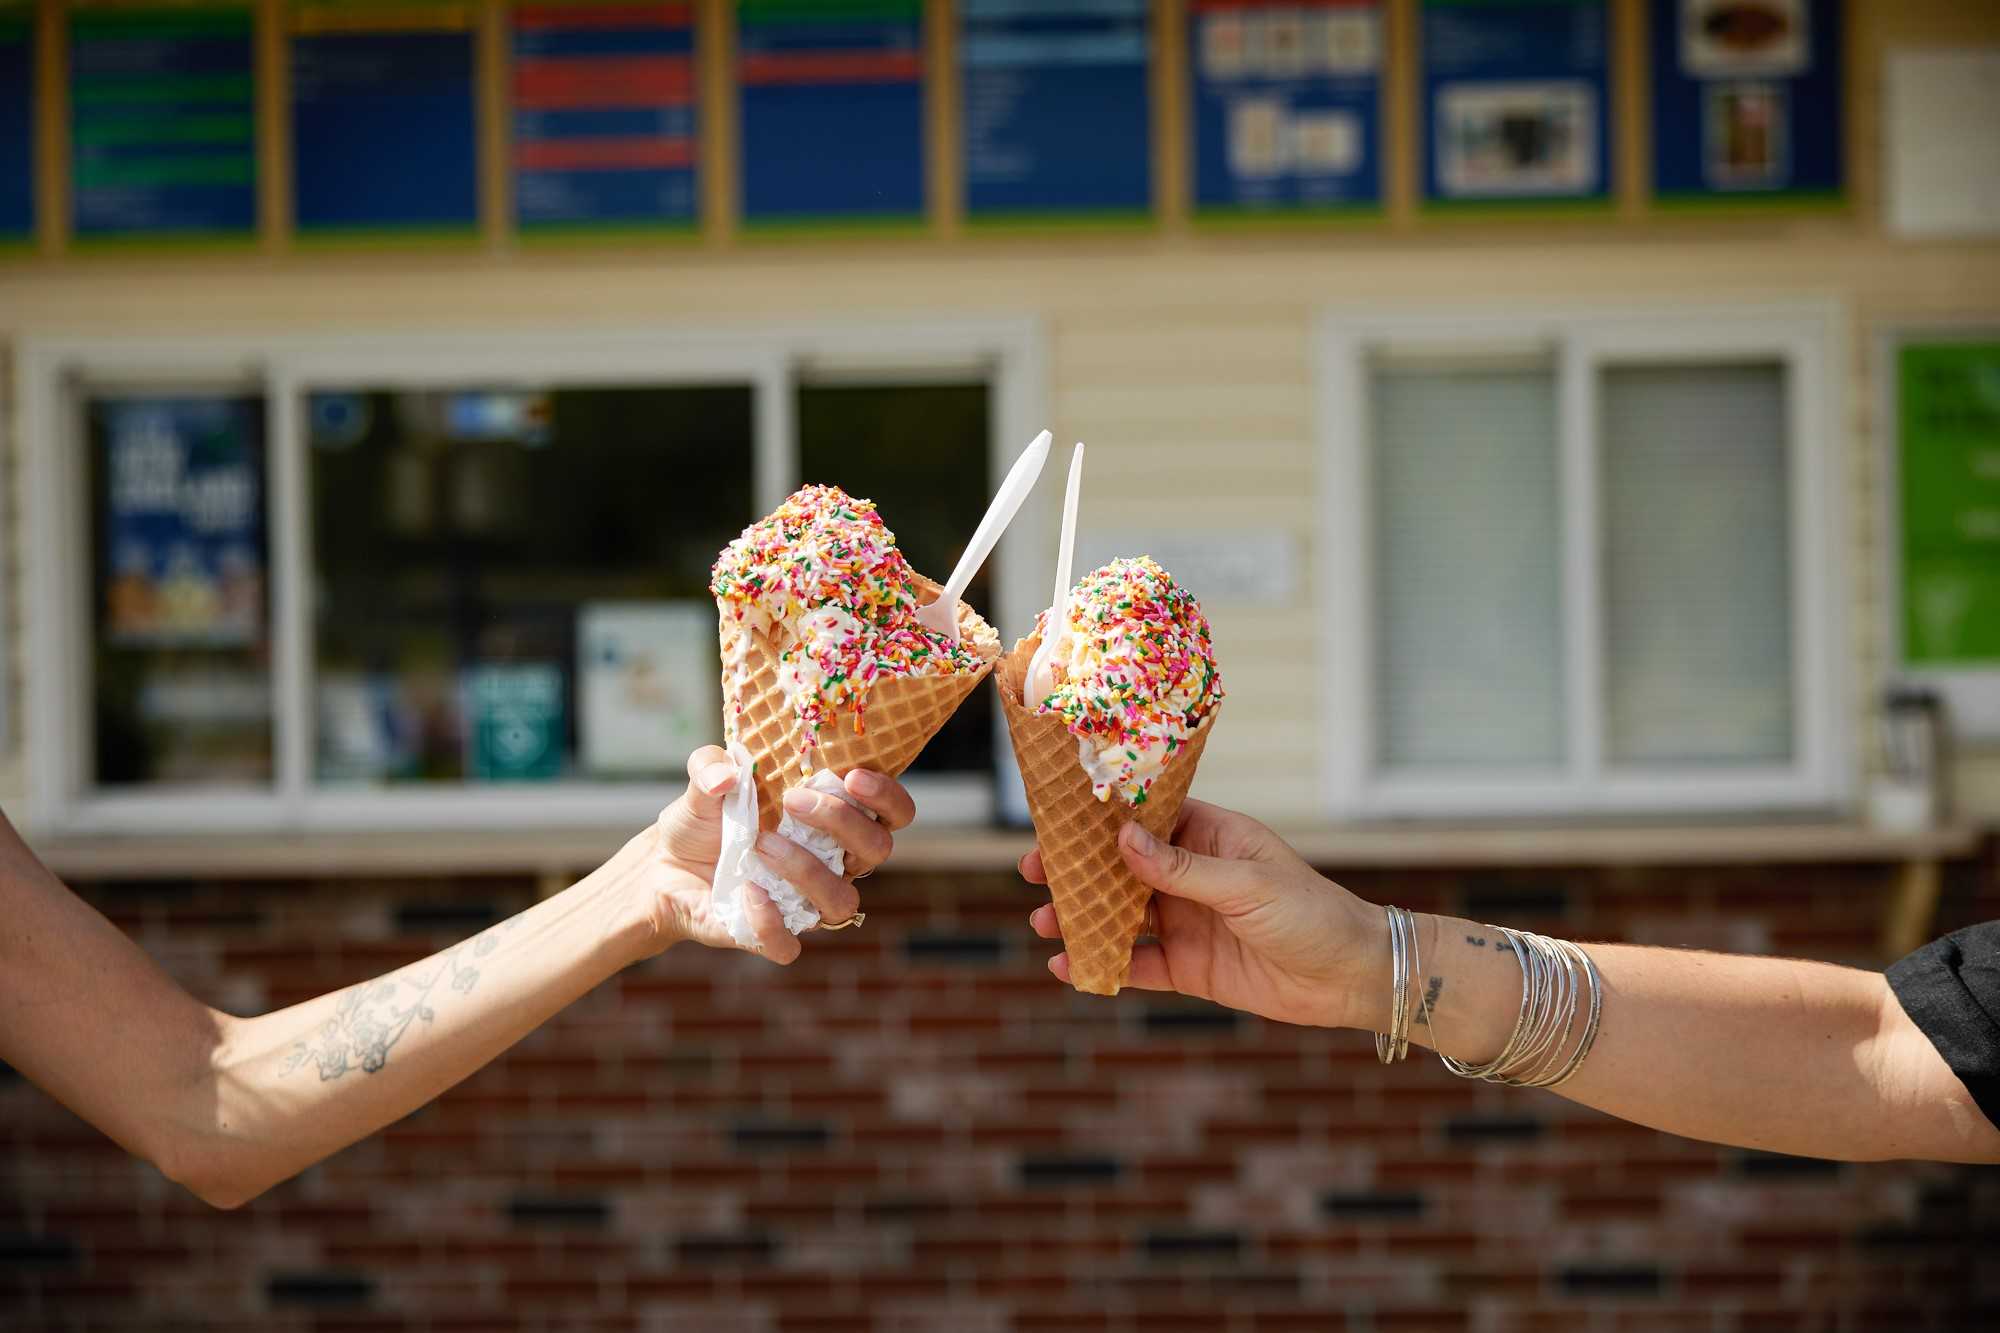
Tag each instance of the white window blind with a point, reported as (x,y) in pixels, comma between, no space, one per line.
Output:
(1467,554)
(1696,578)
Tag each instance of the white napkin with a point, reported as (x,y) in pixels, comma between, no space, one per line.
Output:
(739,863)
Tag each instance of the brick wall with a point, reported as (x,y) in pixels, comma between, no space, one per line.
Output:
(916,1128)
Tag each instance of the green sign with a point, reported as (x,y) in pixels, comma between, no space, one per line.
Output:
(514,722)
(1948,433)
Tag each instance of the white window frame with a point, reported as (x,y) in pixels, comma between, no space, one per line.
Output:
(1582,341)
(51,375)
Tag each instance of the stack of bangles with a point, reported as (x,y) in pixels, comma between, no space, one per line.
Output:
(1554,976)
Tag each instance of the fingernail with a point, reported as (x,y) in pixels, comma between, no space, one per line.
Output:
(866,782)
(800,801)
(1140,841)
(715,775)
(771,845)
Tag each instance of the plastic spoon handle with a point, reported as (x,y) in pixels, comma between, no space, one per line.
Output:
(1060,600)
(1041,671)
(1021,479)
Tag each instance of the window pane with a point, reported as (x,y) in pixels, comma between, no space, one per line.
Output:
(920,452)
(1697,600)
(513,585)
(1467,566)
(181,641)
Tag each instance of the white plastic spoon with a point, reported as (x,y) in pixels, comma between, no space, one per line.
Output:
(941,616)
(1041,680)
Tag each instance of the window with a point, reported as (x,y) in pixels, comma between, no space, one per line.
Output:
(1580,563)
(425,582)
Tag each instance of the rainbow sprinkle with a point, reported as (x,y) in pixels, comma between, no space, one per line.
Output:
(1135,674)
(824,572)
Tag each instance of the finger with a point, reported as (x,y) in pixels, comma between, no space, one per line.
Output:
(777,944)
(1172,869)
(835,898)
(866,842)
(1149,969)
(711,775)
(884,795)
(1032,869)
(1043,922)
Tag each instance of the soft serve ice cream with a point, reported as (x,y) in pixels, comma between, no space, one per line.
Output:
(1135,675)
(822,578)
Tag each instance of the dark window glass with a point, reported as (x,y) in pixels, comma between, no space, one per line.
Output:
(181,626)
(512,585)
(920,452)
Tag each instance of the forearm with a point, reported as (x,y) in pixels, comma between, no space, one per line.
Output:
(1766,1053)
(292,1087)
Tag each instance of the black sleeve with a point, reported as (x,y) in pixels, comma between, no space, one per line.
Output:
(1950,988)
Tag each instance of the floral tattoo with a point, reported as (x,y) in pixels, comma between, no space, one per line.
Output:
(372,1017)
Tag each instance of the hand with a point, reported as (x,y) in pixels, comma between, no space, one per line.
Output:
(689,838)
(1238,918)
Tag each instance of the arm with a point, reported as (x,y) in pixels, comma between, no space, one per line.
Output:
(231,1106)
(1758,1052)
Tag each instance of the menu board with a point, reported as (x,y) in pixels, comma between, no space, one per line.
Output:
(1746,101)
(383,135)
(17,124)
(1948,446)
(182,520)
(163,135)
(1057,113)
(1287,105)
(605,129)
(832,111)
(1516,101)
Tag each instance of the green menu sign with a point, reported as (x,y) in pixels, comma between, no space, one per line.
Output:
(1948,434)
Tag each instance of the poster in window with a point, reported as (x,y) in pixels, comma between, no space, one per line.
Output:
(1948,430)
(515,721)
(646,685)
(1517,102)
(183,521)
(1746,101)
(1286,106)
(17,124)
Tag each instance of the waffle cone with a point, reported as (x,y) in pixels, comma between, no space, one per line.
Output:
(1099,902)
(902,714)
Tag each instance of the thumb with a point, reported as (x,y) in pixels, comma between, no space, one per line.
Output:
(1229,887)
(711,776)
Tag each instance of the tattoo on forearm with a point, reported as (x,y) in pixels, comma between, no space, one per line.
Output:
(1476,941)
(371,1018)
(1431,992)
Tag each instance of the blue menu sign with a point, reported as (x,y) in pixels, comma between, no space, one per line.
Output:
(1057,108)
(163,137)
(383,134)
(17,124)
(1746,101)
(1516,97)
(1287,106)
(604,115)
(832,111)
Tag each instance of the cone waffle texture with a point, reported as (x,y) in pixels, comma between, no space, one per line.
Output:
(1099,902)
(902,714)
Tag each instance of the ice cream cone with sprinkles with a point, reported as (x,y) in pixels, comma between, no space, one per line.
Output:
(1117,740)
(824,663)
